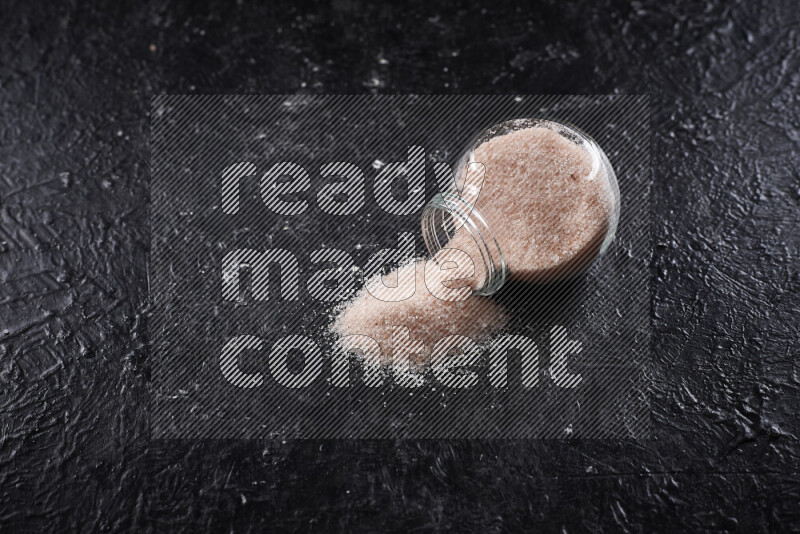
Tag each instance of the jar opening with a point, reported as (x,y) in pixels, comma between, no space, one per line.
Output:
(447,215)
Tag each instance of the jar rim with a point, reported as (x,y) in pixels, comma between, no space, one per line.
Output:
(451,208)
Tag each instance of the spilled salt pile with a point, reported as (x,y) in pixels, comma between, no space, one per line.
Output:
(426,316)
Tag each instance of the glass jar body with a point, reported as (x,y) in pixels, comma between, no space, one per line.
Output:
(532,199)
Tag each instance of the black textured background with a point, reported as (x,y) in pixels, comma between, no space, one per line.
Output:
(76,82)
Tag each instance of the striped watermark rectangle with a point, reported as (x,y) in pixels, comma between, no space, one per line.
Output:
(266,211)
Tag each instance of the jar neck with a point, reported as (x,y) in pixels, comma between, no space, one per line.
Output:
(448,213)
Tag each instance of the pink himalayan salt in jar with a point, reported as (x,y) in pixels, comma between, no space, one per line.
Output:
(533,200)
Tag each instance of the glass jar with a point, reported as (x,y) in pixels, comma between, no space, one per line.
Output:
(532,199)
